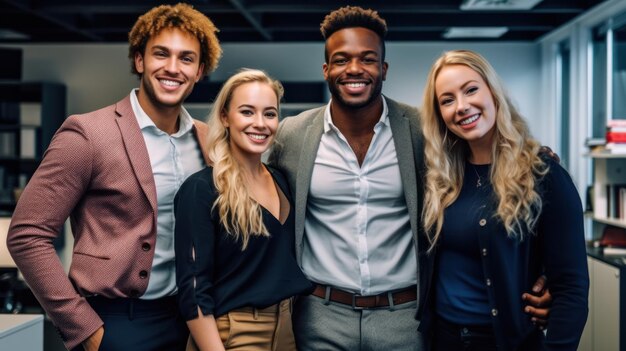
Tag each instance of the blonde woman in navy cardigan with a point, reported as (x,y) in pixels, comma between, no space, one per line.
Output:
(498,214)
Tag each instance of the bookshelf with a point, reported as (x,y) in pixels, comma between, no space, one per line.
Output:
(30,114)
(608,198)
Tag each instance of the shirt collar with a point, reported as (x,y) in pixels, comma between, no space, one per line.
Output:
(329,125)
(145,122)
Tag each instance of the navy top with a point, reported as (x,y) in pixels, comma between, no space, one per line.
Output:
(222,277)
(510,267)
(461,294)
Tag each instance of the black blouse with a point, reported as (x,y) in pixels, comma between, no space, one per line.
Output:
(222,277)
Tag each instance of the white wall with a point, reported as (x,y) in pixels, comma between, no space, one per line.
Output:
(98,75)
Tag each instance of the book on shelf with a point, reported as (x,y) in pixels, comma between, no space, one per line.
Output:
(30,113)
(616,201)
(614,250)
(616,136)
(616,148)
(9,112)
(29,139)
(7,144)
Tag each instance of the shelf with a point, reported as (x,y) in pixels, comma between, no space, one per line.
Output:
(19,159)
(605,155)
(17,127)
(611,221)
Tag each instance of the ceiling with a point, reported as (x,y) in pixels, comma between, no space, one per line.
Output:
(108,21)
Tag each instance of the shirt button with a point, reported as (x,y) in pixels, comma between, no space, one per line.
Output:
(145,247)
(482,222)
(465,330)
(484,251)
(494,312)
(143,274)
(488,282)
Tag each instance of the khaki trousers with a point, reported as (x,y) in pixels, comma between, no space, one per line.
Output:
(254,329)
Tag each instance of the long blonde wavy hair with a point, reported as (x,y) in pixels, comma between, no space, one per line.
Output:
(516,164)
(240,215)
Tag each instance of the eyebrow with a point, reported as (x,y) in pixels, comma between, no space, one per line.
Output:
(364,53)
(253,107)
(165,48)
(462,87)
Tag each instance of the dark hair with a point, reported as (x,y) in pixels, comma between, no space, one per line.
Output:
(183,17)
(353,17)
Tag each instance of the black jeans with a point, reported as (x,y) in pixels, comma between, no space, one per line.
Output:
(453,337)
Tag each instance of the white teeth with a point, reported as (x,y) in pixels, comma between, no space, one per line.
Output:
(469,120)
(170,83)
(258,136)
(355,85)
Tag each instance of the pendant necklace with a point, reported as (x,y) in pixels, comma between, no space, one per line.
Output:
(478,180)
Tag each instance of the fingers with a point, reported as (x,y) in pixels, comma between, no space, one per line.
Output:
(540,284)
(539,316)
(538,301)
(538,313)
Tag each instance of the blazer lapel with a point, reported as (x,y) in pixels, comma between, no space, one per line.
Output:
(200,131)
(308,154)
(403,141)
(136,149)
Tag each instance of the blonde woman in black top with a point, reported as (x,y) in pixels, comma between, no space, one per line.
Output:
(235,265)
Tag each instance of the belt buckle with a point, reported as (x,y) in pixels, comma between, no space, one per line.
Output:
(354,306)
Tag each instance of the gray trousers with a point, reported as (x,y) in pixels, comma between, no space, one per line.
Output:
(321,325)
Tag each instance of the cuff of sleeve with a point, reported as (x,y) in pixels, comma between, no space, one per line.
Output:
(85,322)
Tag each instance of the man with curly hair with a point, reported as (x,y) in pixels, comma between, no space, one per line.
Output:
(114,172)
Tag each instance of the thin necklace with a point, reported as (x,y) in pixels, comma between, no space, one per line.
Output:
(478,181)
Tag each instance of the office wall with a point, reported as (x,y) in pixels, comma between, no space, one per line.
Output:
(97,75)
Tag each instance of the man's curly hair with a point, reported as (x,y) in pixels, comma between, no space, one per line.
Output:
(353,17)
(183,17)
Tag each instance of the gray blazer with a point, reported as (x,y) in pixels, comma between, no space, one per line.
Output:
(295,150)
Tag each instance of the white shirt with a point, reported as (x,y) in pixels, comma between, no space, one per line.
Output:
(357,234)
(173,158)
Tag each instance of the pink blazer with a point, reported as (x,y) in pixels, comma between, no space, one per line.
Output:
(97,172)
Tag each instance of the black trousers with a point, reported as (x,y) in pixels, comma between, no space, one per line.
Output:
(454,337)
(141,325)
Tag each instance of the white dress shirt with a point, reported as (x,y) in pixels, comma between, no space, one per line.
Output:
(173,158)
(357,235)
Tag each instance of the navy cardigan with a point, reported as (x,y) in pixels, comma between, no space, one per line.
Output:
(557,249)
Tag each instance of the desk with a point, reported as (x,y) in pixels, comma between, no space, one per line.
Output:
(21,332)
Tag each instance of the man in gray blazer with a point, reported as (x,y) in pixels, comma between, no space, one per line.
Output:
(355,166)
(352,165)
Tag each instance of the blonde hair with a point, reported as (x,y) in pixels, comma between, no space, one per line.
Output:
(514,154)
(240,215)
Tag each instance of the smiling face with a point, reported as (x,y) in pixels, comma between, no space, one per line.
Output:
(169,67)
(466,104)
(355,70)
(251,119)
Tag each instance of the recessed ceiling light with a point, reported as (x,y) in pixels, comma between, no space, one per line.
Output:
(11,34)
(474,32)
(495,5)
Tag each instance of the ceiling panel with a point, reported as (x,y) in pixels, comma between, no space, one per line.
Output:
(45,21)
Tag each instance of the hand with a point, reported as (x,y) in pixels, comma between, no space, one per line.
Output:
(93,342)
(548,151)
(538,303)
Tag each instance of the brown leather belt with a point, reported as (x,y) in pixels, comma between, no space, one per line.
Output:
(364,302)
